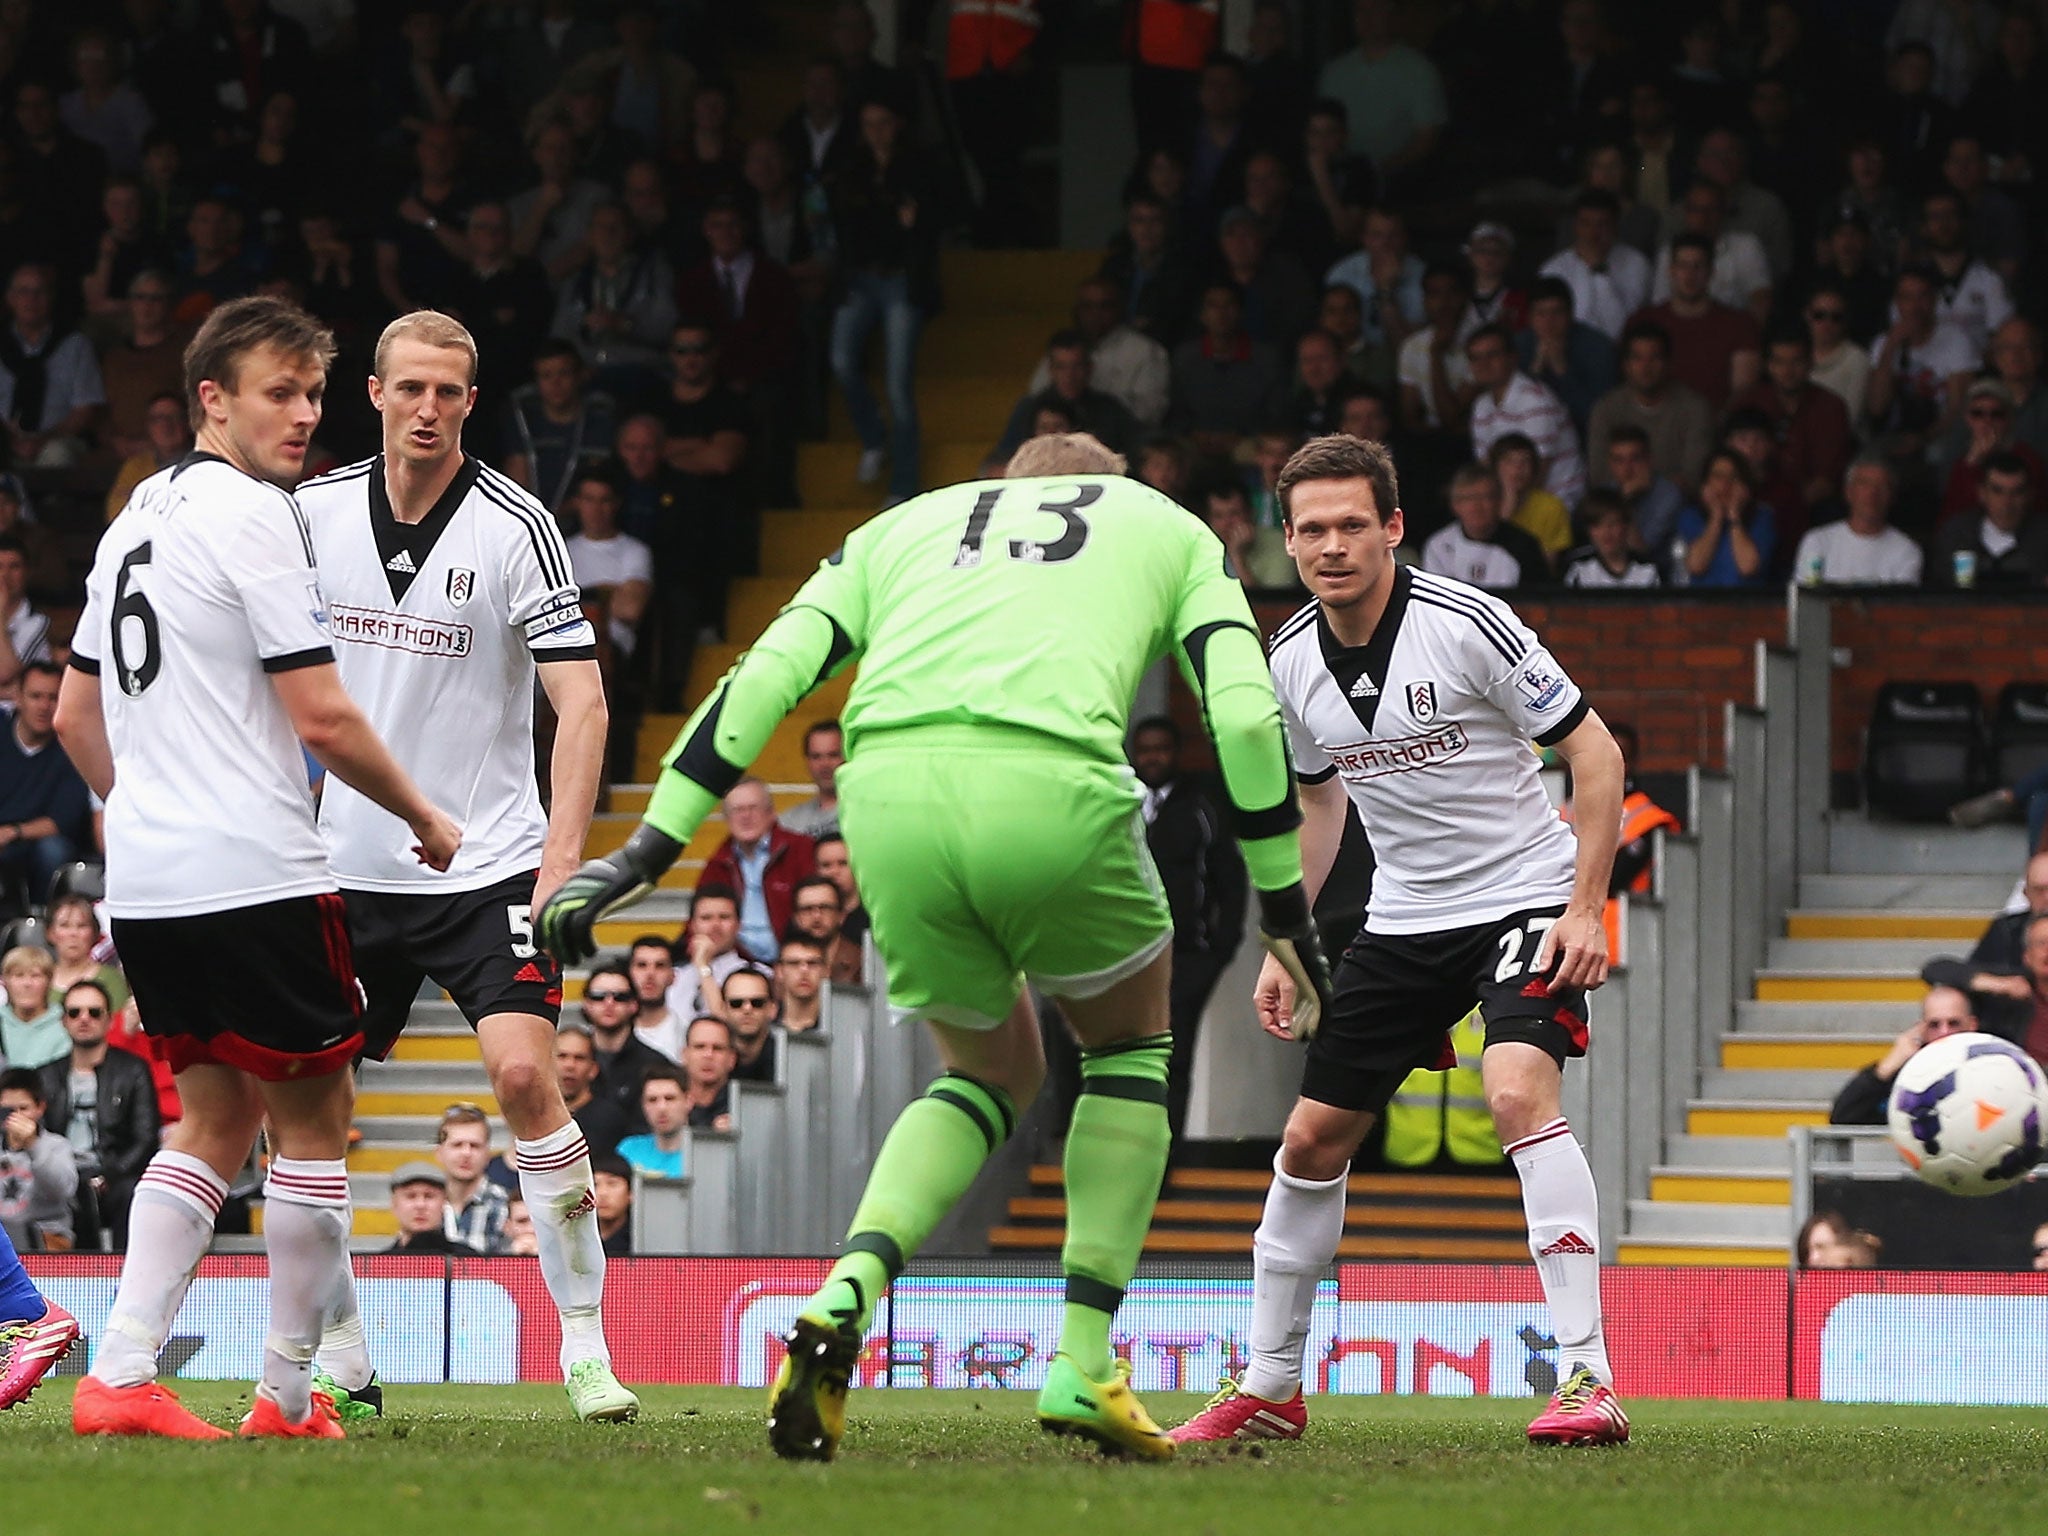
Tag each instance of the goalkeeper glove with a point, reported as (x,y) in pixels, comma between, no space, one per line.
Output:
(566,925)
(1289,934)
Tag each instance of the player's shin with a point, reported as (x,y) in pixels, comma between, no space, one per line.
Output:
(170,1224)
(928,1159)
(20,1301)
(554,1176)
(1116,1154)
(306,1221)
(1563,1212)
(344,1353)
(1291,1252)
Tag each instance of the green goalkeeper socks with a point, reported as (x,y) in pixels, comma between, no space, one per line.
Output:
(928,1159)
(1116,1153)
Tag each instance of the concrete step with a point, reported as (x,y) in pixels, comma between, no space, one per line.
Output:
(752,602)
(1038,283)
(1857,846)
(1838,986)
(1900,956)
(453,1079)
(966,408)
(1728,1154)
(423,1104)
(964,345)
(825,471)
(1774,1086)
(419,1046)
(1913,890)
(1661,1220)
(1702,1252)
(1822,1018)
(1720,1186)
(1839,1054)
(1748,1117)
(1946,928)
(792,543)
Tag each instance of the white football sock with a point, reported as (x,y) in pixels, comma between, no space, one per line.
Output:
(344,1346)
(170,1225)
(1563,1211)
(306,1222)
(1291,1251)
(554,1176)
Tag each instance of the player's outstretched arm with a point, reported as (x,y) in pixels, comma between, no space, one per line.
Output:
(336,732)
(575,691)
(1577,942)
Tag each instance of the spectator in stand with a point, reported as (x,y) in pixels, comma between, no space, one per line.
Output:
(143,366)
(103,1102)
(215,264)
(556,425)
(104,109)
(1865,1097)
(1675,422)
(800,975)
(1507,400)
(691,550)
(1919,370)
(74,932)
(1488,252)
(38,1178)
(597,1115)
(1225,385)
(2006,975)
(2014,354)
(2003,541)
(24,629)
(1655,147)
(611,566)
(1165,463)
(1827,1241)
(835,865)
(521,1241)
(421,247)
(1729,536)
(1515,463)
(1221,145)
(1569,358)
(1607,561)
(1386,276)
(1738,274)
(1343,316)
(1862,549)
(1344,184)
(1714,348)
(1988,420)
(1071,390)
(748,999)
(884,209)
(1969,294)
(1436,381)
(1750,434)
(126,248)
(1957,39)
(46,569)
(1124,363)
(1993,225)
(1810,424)
(1723,163)
(824,756)
(1849,266)
(643,188)
(1159,288)
(1638,224)
(50,390)
(1840,365)
(2007,104)
(45,812)
(1294,224)
(1480,546)
(1204,878)
(666,1108)
(611,1185)
(1393,97)
(821,915)
(1608,281)
(713,942)
(31,1021)
(1258,555)
(707,1073)
(659,996)
(476,1206)
(551,218)
(819,136)
(419,1204)
(1279,296)
(617,306)
(762,861)
(751,303)
(611,1006)
(1321,385)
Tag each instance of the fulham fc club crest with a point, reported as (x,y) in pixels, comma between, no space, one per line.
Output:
(460,584)
(1422,702)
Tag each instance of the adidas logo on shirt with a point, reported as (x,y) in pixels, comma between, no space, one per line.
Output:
(402,561)
(1364,688)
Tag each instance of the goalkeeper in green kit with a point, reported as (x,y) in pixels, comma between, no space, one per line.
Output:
(1001,628)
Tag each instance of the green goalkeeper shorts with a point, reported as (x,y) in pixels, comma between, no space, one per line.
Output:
(987,857)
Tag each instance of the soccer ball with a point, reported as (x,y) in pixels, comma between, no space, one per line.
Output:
(1968,1114)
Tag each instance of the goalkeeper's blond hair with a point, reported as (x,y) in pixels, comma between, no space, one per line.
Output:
(1064,453)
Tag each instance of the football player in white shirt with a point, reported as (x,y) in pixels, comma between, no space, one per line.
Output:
(1416,699)
(204,609)
(450,590)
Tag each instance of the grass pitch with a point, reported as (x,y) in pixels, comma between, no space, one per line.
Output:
(481,1461)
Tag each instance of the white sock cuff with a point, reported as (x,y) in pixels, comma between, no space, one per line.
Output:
(556,1152)
(1539,1140)
(299,1181)
(185,1179)
(1311,1186)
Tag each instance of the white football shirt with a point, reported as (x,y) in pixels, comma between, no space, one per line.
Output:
(202,588)
(437,626)
(1430,724)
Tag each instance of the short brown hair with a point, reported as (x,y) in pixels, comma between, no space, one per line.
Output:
(239,327)
(431,327)
(1341,457)
(1064,453)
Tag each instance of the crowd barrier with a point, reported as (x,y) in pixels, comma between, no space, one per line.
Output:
(1442,1330)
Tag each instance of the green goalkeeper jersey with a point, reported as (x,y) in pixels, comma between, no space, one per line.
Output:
(1031,605)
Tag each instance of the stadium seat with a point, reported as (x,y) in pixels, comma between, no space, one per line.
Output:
(1925,749)
(2019,732)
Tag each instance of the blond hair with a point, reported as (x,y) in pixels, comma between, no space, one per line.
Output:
(1064,453)
(27,957)
(431,327)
